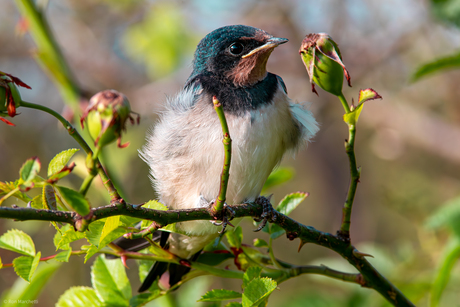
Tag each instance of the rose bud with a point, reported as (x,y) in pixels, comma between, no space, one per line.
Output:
(323,62)
(106,117)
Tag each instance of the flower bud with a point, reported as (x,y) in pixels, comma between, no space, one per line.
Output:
(106,117)
(10,98)
(323,62)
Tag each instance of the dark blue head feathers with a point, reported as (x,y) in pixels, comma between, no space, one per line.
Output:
(230,63)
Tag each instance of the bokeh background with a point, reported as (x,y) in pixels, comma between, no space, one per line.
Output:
(408,144)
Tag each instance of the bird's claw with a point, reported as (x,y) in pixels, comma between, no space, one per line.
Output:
(227,215)
(268,213)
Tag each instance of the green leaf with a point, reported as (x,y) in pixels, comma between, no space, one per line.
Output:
(351,118)
(36,202)
(75,200)
(234,304)
(60,160)
(154,204)
(18,241)
(63,256)
(111,223)
(25,266)
(251,273)
(109,279)
(79,297)
(93,234)
(449,258)
(279,176)
(235,237)
(22,290)
(144,298)
(257,291)
(217,295)
(290,202)
(260,243)
(30,169)
(90,252)
(7,187)
(444,63)
(368,94)
(68,235)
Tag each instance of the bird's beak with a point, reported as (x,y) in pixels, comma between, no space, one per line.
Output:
(270,44)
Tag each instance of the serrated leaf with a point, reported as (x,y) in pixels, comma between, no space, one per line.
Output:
(66,170)
(79,297)
(30,169)
(144,298)
(260,243)
(93,234)
(251,273)
(154,204)
(18,241)
(235,237)
(257,291)
(63,256)
(368,94)
(75,200)
(217,295)
(60,161)
(90,252)
(278,177)
(25,266)
(111,223)
(7,187)
(290,202)
(69,235)
(109,279)
(49,197)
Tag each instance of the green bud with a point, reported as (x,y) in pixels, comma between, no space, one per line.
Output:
(106,117)
(323,62)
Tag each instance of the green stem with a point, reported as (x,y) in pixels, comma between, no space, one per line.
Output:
(74,133)
(344,102)
(92,171)
(220,201)
(344,231)
(49,55)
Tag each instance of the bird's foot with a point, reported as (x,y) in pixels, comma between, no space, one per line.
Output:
(268,213)
(227,215)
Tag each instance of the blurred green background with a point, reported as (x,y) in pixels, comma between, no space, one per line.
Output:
(408,144)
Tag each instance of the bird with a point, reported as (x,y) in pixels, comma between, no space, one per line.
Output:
(184,149)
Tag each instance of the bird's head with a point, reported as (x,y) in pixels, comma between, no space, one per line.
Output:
(235,53)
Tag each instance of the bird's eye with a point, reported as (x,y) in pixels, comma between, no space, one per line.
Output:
(236,48)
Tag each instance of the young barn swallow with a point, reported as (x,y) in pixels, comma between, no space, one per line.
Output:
(184,149)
